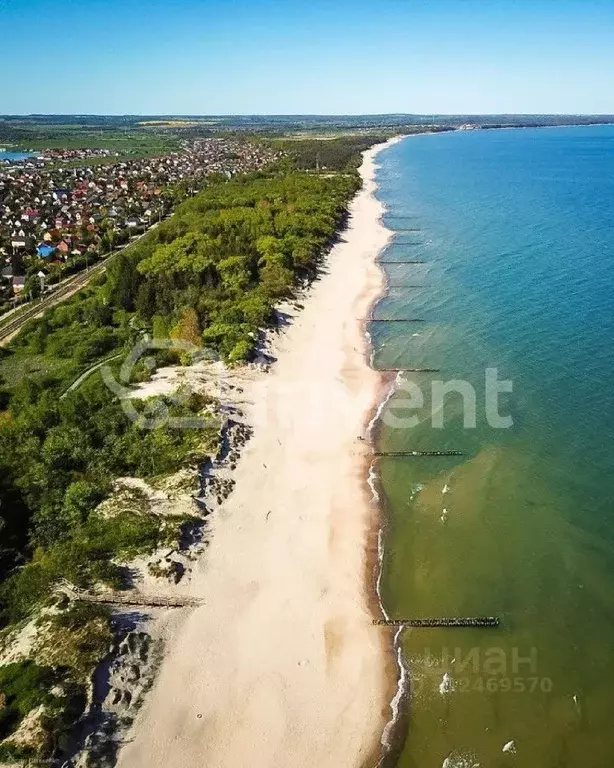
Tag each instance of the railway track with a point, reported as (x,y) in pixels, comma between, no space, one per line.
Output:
(64,291)
(10,328)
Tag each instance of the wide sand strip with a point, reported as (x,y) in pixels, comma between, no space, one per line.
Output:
(281,667)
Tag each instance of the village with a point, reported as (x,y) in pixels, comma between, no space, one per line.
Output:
(55,221)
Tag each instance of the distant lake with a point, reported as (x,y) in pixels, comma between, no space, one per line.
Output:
(12,156)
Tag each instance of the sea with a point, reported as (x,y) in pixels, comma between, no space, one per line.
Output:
(501,282)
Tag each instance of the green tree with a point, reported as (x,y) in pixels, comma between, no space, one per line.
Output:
(81,498)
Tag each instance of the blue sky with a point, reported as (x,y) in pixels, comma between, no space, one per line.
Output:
(306,56)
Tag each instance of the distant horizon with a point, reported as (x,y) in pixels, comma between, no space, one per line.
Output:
(306,114)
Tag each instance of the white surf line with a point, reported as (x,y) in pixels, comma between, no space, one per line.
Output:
(403,676)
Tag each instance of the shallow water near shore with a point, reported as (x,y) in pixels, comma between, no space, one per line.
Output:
(515,229)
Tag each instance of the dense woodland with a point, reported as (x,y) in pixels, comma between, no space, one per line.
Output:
(210,275)
(332,154)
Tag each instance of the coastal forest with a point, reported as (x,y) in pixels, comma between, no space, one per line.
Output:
(210,277)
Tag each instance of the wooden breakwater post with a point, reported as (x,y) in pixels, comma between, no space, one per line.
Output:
(412,261)
(404,230)
(400,454)
(410,370)
(396,320)
(461,621)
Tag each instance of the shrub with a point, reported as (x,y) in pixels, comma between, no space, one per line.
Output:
(76,639)
(24,686)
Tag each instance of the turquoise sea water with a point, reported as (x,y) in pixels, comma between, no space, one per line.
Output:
(516,229)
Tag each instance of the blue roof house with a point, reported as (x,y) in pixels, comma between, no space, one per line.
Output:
(45,250)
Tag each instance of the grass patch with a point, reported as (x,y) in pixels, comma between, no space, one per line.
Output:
(66,137)
(25,687)
(15,367)
(76,639)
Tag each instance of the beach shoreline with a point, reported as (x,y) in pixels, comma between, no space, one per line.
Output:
(282,664)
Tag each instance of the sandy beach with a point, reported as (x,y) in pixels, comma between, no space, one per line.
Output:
(282,666)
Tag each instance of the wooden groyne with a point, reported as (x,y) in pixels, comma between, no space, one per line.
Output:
(413,261)
(466,621)
(403,230)
(399,454)
(410,370)
(396,320)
